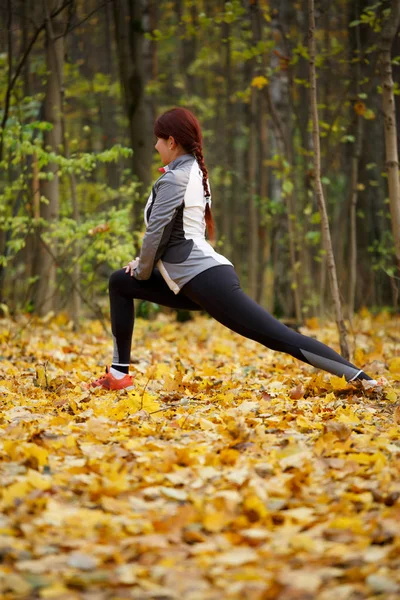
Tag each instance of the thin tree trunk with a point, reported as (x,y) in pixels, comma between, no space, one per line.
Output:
(326,236)
(389,31)
(265,242)
(252,208)
(3,236)
(253,159)
(129,32)
(355,161)
(227,141)
(108,110)
(353,216)
(285,152)
(50,189)
(30,249)
(322,283)
(75,292)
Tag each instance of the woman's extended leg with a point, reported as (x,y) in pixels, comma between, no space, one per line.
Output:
(217,290)
(122,290)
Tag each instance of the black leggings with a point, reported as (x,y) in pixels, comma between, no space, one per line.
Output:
(217,291)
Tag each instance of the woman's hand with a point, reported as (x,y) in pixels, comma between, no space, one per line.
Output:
(131,266)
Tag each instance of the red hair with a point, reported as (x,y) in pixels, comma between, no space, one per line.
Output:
(183,126)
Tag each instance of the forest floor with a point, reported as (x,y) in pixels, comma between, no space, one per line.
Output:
(230,472)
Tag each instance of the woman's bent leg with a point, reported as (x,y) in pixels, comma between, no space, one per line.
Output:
(122,290)
(218,291)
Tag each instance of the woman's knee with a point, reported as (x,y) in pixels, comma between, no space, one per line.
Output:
(116,279)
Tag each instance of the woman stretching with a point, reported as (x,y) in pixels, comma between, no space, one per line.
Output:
(177,267)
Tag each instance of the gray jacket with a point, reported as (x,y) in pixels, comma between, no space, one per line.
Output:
(174,240)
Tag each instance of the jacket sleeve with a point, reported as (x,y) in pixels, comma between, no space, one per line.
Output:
(170,196)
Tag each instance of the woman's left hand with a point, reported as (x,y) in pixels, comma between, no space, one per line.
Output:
(129,268)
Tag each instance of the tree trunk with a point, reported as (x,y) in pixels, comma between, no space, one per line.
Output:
(264,230)
(75,298)
(30,249)
(285,151)
(129,32)
(227,142)
(107,108)
(253,158)
(355,161)
(389,31)
(326,236)
(46,290)
(252,207)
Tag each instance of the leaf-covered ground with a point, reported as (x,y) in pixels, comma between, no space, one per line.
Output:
(231,472)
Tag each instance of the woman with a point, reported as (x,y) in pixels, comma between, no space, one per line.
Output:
(177,267)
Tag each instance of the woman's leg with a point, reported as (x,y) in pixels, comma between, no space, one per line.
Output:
(122,290)
(217,290)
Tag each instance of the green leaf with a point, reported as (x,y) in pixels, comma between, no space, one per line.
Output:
(287,187)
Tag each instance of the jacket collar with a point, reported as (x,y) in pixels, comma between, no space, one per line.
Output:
(180,160)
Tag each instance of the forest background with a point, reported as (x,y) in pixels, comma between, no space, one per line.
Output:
(229,471)
(82,82)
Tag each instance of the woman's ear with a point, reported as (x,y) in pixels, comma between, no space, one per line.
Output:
(171,142)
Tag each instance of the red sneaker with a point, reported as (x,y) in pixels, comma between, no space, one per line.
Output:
(109,382)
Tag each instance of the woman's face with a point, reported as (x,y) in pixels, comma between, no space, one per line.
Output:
(166,149)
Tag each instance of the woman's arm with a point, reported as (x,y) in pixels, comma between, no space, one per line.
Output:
(170,195)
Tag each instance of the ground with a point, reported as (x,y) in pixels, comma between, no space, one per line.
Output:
(230,472)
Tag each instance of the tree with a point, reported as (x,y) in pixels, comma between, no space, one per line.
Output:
(326,236)
(46,268)
(129,32)
(389,30)
(355,161)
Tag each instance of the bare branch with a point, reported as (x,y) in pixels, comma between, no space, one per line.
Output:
(69,29)
(12,80)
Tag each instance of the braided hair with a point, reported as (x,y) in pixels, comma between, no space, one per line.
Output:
(183,126)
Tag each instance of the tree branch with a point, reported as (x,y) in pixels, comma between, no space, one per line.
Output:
(69,29)
(12,80)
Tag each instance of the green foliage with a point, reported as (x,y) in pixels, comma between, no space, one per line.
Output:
(382,253)
(103,236)
(372,15)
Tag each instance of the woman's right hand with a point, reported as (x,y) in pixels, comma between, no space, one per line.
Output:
(131,266)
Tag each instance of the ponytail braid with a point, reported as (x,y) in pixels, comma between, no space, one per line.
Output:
(183,126)
(198,153)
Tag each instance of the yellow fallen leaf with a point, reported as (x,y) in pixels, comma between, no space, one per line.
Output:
(338,383)
(305,424)
(41,376)
(37,452)
(253,505)
(140,401)
(391,395)
(340,429)
(37,480)
(394,365)
(215,521)
(302,541)
(347,416)
(17,490)
(229,456)
(56,590)
(352,523)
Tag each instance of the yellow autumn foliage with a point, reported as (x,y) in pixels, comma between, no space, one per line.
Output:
(230,471)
